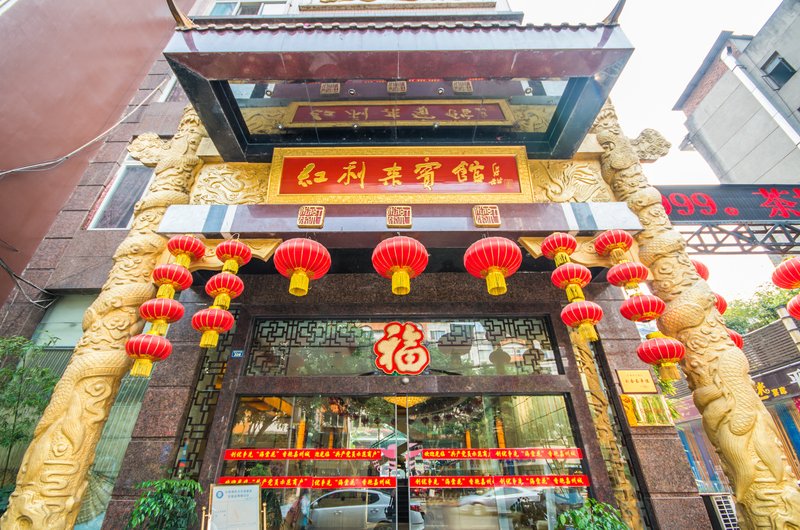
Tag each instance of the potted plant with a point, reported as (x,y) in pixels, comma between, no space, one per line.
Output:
(165,504)
(593,515)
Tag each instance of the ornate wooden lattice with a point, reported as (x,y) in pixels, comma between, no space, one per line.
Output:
(204,403)
(281,347)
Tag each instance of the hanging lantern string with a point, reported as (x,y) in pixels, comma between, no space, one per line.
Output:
(224,287)
(163,310)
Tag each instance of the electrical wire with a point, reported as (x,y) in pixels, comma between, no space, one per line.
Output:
(50,164)
(18,280)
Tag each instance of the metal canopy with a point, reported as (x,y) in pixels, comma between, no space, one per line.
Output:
(588,59)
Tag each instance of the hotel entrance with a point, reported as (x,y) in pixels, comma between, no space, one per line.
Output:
(471,455)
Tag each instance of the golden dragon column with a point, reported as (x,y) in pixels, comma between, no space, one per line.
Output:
(734,418)
(53,476)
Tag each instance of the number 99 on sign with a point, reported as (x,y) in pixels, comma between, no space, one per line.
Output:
(686,205)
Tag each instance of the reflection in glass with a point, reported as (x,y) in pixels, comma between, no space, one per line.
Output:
(496,346)
(288,110)
(402,434)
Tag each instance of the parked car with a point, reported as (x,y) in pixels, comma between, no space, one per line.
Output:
(356,509)
(498,499)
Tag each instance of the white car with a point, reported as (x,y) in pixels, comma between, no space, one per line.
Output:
(356,509)
(498,499)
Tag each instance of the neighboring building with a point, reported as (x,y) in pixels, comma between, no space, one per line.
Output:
(743,104)
(478,123)
(69,70)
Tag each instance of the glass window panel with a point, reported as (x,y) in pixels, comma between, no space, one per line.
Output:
(273,8)
(316,110)
(491,346)
(251,8)
(402,434)
(223,9)
(117,208)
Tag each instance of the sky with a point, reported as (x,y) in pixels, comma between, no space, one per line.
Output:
(671,39)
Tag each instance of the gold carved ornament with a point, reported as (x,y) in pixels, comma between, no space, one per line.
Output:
(52,478)
(734,418)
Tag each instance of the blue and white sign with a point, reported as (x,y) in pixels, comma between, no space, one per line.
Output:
(235,508)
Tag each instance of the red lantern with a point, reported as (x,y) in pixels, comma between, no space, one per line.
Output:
(628,275)
(558,246)
(493,258)
(584,316)
(186,249)
(793,307)
(171,278)
(642,308)
(160,312)
(212,322)
(224,287)
(614,242)
(721,304)
(573,278)
(301,260)
(665,353)
(233,254)
(701,269)
(737,339)
(787,274)
(146,349)
(400,258)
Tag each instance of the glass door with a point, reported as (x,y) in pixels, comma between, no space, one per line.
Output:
(323,462)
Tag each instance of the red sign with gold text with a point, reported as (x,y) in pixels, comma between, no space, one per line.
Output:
(400,113)
(540,481)
(313,482)
(395,175)
(303,454)
(525,453)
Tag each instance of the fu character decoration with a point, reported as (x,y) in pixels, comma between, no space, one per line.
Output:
(493,259)
(400,258)
(163,310)
(301,260)
(224,287)
(579,314)
(787,276)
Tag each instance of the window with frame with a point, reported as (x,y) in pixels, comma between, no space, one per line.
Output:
(266,7)
(173,92)
(116,210)
(777,71)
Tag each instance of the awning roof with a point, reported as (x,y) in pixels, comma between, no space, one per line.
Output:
(205,58)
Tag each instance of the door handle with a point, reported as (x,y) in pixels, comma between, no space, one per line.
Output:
(373,510)
(338,512)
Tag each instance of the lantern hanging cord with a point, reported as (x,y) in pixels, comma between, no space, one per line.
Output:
(50,164)
(18,280)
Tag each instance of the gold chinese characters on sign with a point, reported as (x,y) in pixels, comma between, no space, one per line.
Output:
(311,217)
(486,215)
(404,113)
(397,87)
(398,217)
(330,89)
(636,382)
(400,175)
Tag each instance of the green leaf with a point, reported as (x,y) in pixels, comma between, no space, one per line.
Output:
(165,504)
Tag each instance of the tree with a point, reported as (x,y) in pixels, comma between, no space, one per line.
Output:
(25,388)
(759,310)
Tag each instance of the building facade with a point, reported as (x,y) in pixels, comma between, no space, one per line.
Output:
(49,110)
(346,124)
(741,106)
